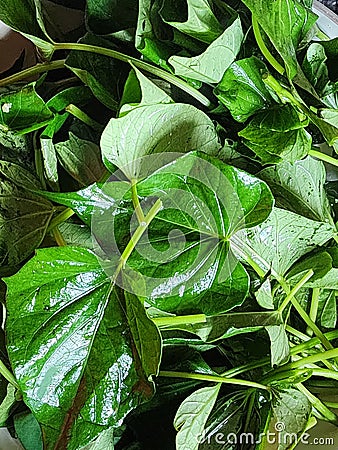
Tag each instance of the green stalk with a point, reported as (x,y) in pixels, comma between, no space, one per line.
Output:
(136,237)
(294,290)
(8,375)
(318,405)
(324,157)
(313,308)
(79,114)
(58,237)
(136,202)
(167,76)
(317,357)
(213,379)
(32,71)
(172,321)
(263,48)
(284,95)
(62,217)
(333,405)
(326,343)
(325,373)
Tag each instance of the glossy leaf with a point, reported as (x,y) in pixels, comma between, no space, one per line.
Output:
(24,216)
(156,129)
(23,110)
(210,66)
(242,89)
(299,187)
(60,323)
(277,134)
(264,295)
(192,416)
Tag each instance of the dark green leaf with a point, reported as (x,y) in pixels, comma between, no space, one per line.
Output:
(81,159)
(109,16)
(210,66)
(200,22)
(76,235)
(28,431)
(103,75)
(24,217)
(314,67)
(23,110)
(77,95)
(70,348)
(242,89)
(277,134)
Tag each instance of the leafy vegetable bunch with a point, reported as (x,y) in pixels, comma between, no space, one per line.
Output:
(168,225)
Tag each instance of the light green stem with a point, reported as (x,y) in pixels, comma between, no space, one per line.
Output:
(79,114)
(172,321)
(62,217)
(167,76)
(294,290)
(317,404)
(136,237)
(8,375)
(136,202)
(325,373)
(324,157)
(213,379)
(32,71)
(313,308)
(263,48)
(58,237)
(321,356)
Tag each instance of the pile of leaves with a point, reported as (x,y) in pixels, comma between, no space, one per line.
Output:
(168,241)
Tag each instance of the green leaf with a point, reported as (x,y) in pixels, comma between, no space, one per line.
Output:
(81,159)
(242,89)
(145,335)
(156,129)
(286,22)
(314,67)
(28,431)
(299,187)
(7,404)
(200,22)
(209,67)
(104,76)
(292,409)
(141,91)
(78,95)
(264,295)
(70,347)
(281,240)
(320,262)
(23,110)
(192,415)
(24,16)
(327,309)
(76,235)
(99,15)
(24,217)
(277,134)
(280,348)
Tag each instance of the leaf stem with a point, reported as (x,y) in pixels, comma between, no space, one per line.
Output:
(79,114)
(31,71)
(213,379)
(136,202)
(313,308)
(317,357)
(172,321)
(136,237)
(8,375)
(317,404)
(324,157)
(58,237)
(62,217)
(294,290)
(263,48)
(167,76)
